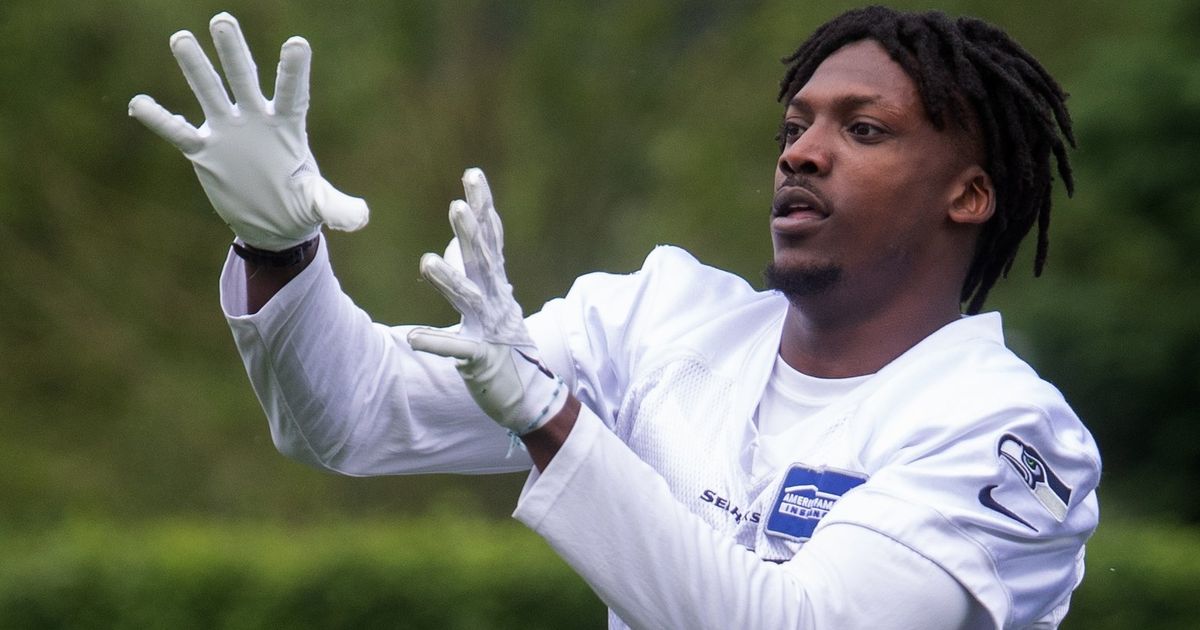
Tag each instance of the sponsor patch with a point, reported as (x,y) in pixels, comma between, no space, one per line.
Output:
(805,497)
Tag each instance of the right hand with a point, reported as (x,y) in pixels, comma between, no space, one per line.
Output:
(495,354)
(251,155)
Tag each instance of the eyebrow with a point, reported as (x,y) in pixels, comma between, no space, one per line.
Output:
(845,102)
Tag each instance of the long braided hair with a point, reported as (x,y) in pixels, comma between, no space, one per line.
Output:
(967,70)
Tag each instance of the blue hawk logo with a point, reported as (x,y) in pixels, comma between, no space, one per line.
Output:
(1037,475)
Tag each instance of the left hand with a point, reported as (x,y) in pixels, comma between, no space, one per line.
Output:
(496,356)
(251,154)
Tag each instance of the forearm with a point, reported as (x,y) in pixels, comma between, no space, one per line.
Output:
(348,395)
(615,521)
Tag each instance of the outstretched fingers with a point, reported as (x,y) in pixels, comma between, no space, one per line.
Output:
(292,76)
(479,198)
(200,75)
(170,127)
(466,230)
(462,294)
(443,343)
(453,255)
(239,66)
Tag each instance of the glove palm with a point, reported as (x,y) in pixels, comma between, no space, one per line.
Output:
(251,155)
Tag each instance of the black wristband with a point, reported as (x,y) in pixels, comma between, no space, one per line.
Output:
(283,258)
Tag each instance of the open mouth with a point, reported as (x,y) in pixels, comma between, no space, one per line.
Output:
(795,205)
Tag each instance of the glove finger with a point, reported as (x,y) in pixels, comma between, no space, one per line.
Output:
(457,288)
(337,209)
(453,255)
(291,78)
(479,197)
(466,230)
(481,265)
(443,343)
(200,75)
(239,66)
(172,128)
(484,253)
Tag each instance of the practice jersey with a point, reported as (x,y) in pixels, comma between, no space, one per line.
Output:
(955,450)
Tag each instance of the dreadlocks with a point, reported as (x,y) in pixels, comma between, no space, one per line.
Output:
(969,71)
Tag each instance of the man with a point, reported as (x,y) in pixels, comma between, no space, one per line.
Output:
(845,451)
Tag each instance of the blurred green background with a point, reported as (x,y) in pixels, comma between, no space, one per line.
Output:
(138,484)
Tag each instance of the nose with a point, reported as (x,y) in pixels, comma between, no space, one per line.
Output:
(807,155)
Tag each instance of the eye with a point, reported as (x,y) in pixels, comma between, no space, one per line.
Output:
(788,132)
(864,131)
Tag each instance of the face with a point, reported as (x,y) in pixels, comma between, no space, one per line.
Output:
(865,183)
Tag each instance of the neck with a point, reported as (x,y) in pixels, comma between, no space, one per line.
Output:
(842,346)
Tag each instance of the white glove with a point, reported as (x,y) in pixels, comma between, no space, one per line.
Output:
(252,156)
(496,356)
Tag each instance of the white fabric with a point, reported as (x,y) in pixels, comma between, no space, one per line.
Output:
(788,399)
(349,396)
(673,361)
(665,567)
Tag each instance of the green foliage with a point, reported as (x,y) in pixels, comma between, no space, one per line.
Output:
(441,572)
(1114,322)
(1140,574)
(605,128)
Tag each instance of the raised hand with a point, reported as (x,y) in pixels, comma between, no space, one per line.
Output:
(251,154)
(496,356)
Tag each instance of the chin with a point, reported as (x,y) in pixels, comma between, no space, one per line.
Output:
(802,280)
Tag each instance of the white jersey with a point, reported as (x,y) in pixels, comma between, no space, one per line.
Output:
(664,497)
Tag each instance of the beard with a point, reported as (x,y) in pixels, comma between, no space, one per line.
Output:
(802,281)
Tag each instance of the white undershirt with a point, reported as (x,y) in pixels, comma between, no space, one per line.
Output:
(800,395)
(790,398)
(898,583)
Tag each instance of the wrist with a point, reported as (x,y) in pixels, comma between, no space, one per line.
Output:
(267,272)
(554,393)
(544,442)
(289,257)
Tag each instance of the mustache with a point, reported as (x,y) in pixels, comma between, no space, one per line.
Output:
(796,180)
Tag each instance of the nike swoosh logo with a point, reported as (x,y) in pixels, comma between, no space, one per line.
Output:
(985,497)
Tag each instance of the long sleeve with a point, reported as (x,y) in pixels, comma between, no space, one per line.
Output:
(345,394)
(657,565)
(348,395)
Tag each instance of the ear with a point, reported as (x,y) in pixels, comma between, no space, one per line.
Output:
(974,199)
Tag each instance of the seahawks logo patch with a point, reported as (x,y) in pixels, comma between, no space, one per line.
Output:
(805,497)
(1037,476)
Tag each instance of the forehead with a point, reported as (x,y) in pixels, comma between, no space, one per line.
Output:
(862,71)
